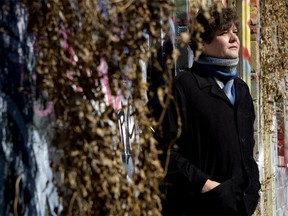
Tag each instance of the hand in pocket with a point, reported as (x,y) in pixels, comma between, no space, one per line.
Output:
(222,196)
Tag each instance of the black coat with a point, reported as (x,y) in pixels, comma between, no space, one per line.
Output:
(216,142)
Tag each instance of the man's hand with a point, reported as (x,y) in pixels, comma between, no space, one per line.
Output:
(209,185)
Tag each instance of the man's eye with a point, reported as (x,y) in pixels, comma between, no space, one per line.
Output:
(223,32)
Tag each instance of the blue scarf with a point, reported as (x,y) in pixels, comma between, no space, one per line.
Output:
(223,69)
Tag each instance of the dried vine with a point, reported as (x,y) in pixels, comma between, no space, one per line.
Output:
(75,39)
(273,56)
(274,60)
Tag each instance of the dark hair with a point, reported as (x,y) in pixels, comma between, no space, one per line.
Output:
(220,19)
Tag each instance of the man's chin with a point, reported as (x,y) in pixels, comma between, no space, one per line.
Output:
(232,56)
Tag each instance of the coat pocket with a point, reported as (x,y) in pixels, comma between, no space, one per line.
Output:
(221,197)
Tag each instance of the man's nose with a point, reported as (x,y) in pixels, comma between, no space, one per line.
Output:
(233,37)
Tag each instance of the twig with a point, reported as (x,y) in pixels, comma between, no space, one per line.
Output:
(16,198)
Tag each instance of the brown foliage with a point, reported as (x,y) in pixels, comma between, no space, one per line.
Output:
(72,38)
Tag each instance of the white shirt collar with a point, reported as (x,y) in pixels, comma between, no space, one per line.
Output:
(219,82)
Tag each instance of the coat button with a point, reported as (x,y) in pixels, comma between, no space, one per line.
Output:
(243,139)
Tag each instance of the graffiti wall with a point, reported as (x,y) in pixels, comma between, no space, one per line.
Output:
(26,117)
(127,123)
(26,186)
(27,121)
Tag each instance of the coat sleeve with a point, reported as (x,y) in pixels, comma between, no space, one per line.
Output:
(174,137)
(252,190)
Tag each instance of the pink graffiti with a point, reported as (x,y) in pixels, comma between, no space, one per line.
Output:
(45,112)
(246,54)
(69,75)
(72,57)
(102,70)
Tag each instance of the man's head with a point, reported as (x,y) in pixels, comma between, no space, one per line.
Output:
(220,32)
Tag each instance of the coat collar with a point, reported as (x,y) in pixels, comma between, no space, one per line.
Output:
(204,81)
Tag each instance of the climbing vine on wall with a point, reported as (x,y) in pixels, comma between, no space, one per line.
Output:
(274,73)
(273,56)
(80,44)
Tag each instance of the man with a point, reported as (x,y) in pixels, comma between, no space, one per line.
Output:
(211,166)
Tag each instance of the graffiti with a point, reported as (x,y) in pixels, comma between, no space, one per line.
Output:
(44,112)
(127,128)
(254,20)
(26,179)
(128,135)
(246,42)
(109,98)
(33,115)
(281,139)
(281,147)
(125,115)
(246,54)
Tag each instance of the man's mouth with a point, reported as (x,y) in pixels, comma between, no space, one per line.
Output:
(233,47)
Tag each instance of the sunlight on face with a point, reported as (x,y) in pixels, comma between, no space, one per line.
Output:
(225,44)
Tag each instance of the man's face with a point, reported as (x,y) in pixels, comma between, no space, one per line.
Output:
(225,44)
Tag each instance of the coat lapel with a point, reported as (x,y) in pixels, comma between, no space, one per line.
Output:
(204,82)
(239,89)
(218,92)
